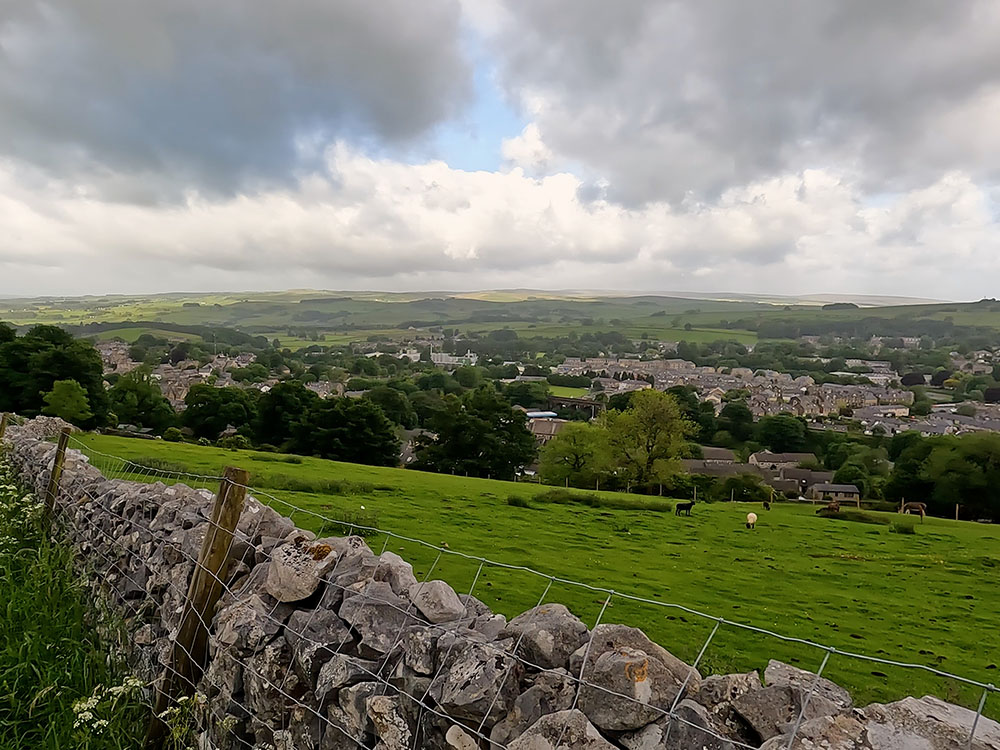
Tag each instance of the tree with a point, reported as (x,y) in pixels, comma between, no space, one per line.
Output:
(426,404)
(67,400)
(965,470)
(575,455)
(179,353)
(527,394)
(939,377)
(782,433)
(621,401)
(136,399)
(347,429)
(468,377)
(901,441)
(645,440)
(478,434)
(921,408)
(743,488)
(966,410)
(912,378)
(395,405)
(280,411)
(253,373)
(851,473)
(699,413)
(31,364)
(211,410)
(737,419)
(908,480)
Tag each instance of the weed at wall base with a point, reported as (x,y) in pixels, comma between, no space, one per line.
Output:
(61,685)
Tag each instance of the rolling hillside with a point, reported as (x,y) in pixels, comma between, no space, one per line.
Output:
(858,587)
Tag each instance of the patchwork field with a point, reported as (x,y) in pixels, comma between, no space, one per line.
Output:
(928,598)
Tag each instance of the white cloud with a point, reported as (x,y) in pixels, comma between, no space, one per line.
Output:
(377,223)
(671,145)
(672,99)
(527,149)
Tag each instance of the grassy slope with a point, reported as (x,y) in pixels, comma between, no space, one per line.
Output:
(565,391)
(930,598)
(356,314)
(131,335)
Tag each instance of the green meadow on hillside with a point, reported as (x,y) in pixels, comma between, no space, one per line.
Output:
(565,391)
(928,598)
(132,334)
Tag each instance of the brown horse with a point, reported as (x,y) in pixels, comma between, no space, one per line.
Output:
(909,508)
(833,506)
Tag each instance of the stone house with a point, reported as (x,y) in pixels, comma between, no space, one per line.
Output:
(835,492)
(771,460)
(545,428)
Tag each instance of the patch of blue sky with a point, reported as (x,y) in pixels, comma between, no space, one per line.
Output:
(473,139)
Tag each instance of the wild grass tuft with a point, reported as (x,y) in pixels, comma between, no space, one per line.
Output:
(858,516)
(364,524)
(561,496)
(61,685)
(312,485)
(518,502)
(160,465)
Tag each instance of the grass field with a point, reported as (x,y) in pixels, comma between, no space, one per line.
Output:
(131,335)
(929,598)
(344,317)
(656,329)
(565,391)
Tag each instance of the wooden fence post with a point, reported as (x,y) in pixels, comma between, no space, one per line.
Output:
(189,655)
(57,466)
(3,424)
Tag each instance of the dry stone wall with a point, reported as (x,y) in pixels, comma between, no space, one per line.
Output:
(320,644)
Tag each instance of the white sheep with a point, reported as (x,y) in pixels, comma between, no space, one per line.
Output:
(751,520)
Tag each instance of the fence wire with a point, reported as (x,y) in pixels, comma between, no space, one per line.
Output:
(83,525)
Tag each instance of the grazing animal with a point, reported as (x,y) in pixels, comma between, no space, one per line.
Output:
(833,507)
(684,508)
(751,520)
(767,505)
(909,508)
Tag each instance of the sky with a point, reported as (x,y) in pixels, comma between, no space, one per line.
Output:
(643,145)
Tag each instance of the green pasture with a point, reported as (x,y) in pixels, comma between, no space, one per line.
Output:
(131,335)
(928,598)
(565,391)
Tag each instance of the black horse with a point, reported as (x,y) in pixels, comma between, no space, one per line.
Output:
(684,508)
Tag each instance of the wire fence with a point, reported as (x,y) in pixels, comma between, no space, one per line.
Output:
(116,529)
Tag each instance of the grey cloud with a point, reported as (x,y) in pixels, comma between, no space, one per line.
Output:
(673,98)
(217,95)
